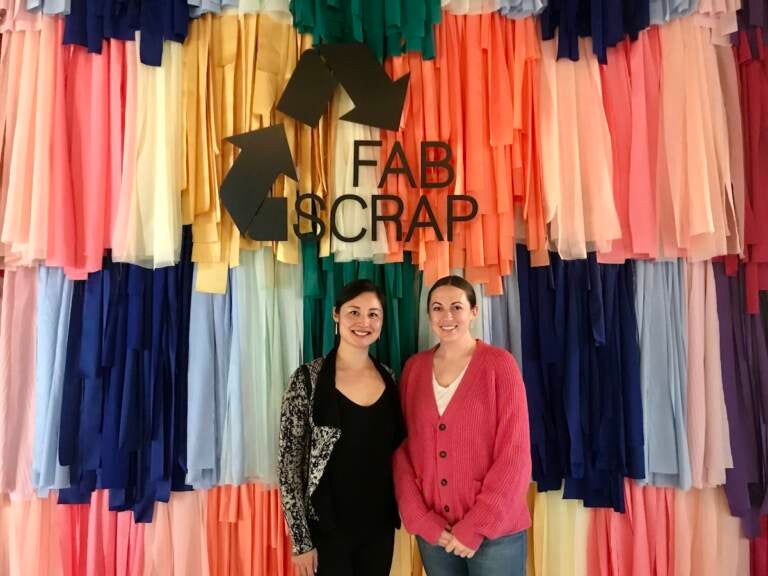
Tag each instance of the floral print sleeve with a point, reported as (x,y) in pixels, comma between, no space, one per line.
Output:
(293,462)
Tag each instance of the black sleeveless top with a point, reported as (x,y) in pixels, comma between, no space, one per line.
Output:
(357,491)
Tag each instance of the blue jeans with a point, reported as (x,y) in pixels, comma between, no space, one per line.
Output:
(501,557)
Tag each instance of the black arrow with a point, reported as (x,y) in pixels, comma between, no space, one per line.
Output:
(309,90)
(378,100)
(265,154)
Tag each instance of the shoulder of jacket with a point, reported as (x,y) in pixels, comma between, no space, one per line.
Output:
(502,363)
(414,368)
(419,359)
(312,368)
(495,353)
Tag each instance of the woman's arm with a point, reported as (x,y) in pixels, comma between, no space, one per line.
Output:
(293,459)
(417,517)
(510,474)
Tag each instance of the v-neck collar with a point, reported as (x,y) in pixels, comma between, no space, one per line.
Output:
(463,386)
(325,408)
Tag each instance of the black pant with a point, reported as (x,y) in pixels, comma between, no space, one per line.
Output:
(342,554)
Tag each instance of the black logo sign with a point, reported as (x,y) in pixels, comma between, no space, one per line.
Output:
(265,153)
(378,100)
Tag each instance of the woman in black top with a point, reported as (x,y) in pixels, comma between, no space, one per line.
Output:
(340,424)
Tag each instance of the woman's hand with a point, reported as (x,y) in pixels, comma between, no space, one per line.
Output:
(306,564)
(457,548)
(445,538)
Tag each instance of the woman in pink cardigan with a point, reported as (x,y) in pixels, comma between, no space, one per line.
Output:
(462,475)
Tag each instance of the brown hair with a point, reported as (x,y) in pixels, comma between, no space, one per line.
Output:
(353,289)
(458,282)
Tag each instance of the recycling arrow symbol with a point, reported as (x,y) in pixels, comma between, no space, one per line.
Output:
(378,100)
(265,153)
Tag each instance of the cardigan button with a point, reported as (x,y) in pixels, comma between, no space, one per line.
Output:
(446,508)
(441,427)
(443,454)
(444,482)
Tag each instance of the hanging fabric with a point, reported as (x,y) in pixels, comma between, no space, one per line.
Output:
(605,21)
(90,22)
(558,538)
(175,542)
(54,301)
(664,11)
(661,324)
(576,186)
(29,539)
(87,210)
(581,366)
(471,6)
(750,53)
(246,532)
(124,411)
(522,8)
(638,543)
(228,90)
(50,7)
(18,18)
(350,217)
(269,301)
(708,539)
(708,431)
(721,17)
(729,81)
(752,15)
(631,90)
(18,335)
(214,401)
(516,9)
(695,182)
(501,318)
(29,103)
(758,551)
(388,27)
(744,358)
(61,176)
(95,541)
(149,233)
(478,97)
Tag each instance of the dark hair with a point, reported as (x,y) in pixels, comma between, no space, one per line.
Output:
(458,282)
(353,289)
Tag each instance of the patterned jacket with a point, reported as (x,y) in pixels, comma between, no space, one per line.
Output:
(308,433)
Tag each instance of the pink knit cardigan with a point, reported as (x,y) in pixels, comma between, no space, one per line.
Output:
(469,469)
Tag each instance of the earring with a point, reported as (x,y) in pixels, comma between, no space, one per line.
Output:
(336,328)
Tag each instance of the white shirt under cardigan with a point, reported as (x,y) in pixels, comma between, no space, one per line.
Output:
(443,394)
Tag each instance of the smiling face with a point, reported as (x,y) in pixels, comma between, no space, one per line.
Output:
(360,320)
(450,313)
